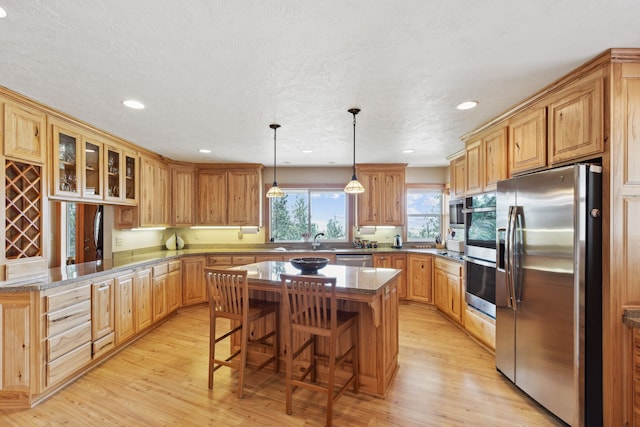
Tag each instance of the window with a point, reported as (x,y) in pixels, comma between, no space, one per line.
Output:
(424,214)
(304,212)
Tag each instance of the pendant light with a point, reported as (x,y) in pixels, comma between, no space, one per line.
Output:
(354,186)
(274,191)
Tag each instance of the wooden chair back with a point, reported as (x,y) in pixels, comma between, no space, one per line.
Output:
(228,292)
(312,300)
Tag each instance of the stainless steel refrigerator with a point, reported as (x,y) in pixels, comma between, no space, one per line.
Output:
(549,289)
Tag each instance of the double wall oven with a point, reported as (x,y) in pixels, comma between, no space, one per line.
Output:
(480,252)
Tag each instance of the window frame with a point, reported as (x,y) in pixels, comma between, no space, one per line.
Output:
(350,210)
(427,188)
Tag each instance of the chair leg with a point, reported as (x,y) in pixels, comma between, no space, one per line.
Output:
(289,369)
(355,361)
(243,358)
(276,340)
(212,349)
(313,358)
(331,378)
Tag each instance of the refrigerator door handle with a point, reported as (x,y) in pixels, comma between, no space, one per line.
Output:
(509,255)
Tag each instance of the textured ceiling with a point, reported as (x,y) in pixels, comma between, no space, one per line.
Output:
(214,74)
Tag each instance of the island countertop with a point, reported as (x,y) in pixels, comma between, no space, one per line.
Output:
(350,280)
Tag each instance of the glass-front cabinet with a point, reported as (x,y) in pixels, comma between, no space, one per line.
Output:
(113,167)
(66,162)
(92,168)
(130,177)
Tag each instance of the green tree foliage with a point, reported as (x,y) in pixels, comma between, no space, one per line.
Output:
(334,229)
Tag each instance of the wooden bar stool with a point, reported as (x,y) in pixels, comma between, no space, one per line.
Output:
(228,293)
(312,308)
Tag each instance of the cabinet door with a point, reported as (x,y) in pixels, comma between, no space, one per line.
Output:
(459,178)
(528,141)
(92,163)
(159,297)
(163,191)
(15,351)
(575,122)
(393,198)
(474,167)
(147,192)
(24,133)
(130,190)
(420,270)
(243,191)
(440,294)
(183,184)
(143,300)
(399,262)
(494,160)
(102,309)
(369,201)
(66,162)
(454,301)
(194,288)
(113,168)
(212,197)
(174,288)
(124,308)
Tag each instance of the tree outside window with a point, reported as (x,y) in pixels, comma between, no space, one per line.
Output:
(302,213)
(424,214)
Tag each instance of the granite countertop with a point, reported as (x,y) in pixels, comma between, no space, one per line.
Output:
(631,317)
(86,271)
(353,280)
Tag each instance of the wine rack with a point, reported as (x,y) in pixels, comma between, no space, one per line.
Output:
(23,209)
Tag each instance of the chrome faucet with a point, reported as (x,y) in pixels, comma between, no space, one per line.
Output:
(316,244)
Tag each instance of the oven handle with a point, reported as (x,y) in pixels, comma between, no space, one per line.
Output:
(473,210)
(479,261)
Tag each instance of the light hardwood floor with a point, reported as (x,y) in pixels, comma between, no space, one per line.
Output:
(445,379)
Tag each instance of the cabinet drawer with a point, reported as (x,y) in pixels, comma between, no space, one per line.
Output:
(219,261)
(70,297)
(60,344)
(448,266)
(67,318)
(66,365)
(104,344)
(243,260)
(160,269)
(175,265)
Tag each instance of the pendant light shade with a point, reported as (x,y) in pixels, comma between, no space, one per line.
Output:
(354,186)
(274,191)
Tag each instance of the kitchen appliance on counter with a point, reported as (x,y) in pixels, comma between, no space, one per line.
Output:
(397,242)
(548,290)
(456,217)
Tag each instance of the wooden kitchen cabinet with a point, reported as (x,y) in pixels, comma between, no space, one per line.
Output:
(576,120)
(383,201)
(229,195)
(458,177)
(194,287)
(66,161)
(399,262)
(174,286)
(528,140)
(92,183)
(183,202)
(102,316)
(160,274)
(494,158)
(154,208)
(125,326)
(18,350)
(143,299)
(25,136)
(420,278)
(448,292)
(473,167)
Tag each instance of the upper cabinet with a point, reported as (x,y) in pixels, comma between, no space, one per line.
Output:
(458,176)
(486,161)
(528,140)
(575,120)
(229,194)
(154,193)
(92,175)
(383,201)
(66,161)
(121,171)
(24,132)
(183,184)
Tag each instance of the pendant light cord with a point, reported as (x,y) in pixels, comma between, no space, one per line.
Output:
(275,166)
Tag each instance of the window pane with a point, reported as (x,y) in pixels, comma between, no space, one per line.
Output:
(328,214)
(423,227)
(422,202)
(424,214)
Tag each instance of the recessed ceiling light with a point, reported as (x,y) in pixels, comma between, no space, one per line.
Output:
(307,151)
(132,103)
(204,150)
(3,13)
(467,105)
(408,151)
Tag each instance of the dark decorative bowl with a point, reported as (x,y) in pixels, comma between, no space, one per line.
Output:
(309,265)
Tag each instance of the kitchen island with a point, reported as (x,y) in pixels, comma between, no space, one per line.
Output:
(371,292)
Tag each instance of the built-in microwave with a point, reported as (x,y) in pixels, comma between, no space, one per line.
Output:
(456,216)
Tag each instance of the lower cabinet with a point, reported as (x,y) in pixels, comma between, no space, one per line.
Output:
(174,286)
(194,289)
(160,275)
(397,261)
(125,326)
(420,277)
(143,299)
(448,288)
(17,350)
(102,316)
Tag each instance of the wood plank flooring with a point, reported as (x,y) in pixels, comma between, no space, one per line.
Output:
(445,379)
